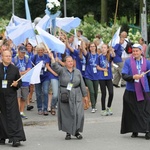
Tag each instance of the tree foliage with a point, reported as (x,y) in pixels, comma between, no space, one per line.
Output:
(79,8)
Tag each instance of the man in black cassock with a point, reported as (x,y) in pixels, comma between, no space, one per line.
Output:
(11,126)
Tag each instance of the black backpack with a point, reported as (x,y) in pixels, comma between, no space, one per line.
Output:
(128,47)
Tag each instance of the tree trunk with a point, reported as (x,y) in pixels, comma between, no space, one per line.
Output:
(104,18)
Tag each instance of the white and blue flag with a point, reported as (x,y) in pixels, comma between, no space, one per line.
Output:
(33,75)
(52,42)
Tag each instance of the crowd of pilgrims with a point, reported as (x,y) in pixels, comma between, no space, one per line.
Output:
(93,59)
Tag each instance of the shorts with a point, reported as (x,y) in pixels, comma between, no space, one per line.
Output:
(23,93)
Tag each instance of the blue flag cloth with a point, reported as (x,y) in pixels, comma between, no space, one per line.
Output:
(15,20)
(45,22)
(52,42)
(21,33)
(68,23)
(33,75)
(28,16)
(116,38)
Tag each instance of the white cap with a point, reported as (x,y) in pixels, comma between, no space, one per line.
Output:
(137,46)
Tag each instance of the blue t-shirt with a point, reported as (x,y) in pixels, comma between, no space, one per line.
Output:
(44,75)
(91,72)
(103,63)
(118,51)
(14,52)
(22,65)
(127,70)
(30,54)
(80,62)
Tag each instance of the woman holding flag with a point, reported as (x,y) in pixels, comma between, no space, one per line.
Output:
(42,88)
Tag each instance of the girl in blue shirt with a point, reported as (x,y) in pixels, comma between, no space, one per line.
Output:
(105,78)
(91,74)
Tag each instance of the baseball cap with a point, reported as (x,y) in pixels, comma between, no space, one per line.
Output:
(22,49)
(137,46)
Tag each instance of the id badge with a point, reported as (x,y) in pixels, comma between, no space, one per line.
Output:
(83,67)
(69,86)
(105,73)
(23,68)
(41,73)
(94,70)
(136,80)
(45,69)
(4,84)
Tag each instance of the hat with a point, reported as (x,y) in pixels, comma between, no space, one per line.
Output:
(22,49)
(137,46)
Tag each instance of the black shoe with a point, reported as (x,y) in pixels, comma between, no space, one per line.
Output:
(78,136)
(29,107)
(16,143)
(2,141)
(68,136)
(123,85)
(147,135)
(134,135)
(116,86)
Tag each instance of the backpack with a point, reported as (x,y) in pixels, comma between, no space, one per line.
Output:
(128,48)
(16,59)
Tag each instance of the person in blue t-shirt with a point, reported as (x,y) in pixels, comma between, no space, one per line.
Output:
(30,54)
(91,74)
(52,103)
(105,78)
(42,88)
(119,62)
(79,57)
(23,63)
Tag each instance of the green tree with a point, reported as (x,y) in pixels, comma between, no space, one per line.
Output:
(104,16)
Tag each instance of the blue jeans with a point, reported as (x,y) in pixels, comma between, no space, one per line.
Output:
(54,83)
(42,90)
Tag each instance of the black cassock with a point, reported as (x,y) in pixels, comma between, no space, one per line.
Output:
(11,126)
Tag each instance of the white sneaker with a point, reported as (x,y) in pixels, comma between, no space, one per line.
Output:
(104,113)
(109,111)
(93,110)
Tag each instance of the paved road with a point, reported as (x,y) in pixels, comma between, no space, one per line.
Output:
(100,132)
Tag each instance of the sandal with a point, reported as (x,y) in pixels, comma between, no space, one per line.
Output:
(68,136)
(53,112)
(78,136)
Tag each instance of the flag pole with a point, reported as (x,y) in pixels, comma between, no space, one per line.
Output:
(23,75)
(13,7)
(115,18)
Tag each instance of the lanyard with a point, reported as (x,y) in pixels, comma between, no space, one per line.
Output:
(83,60)
(93,59)
(71,74)
(5,72)
(138,66)
(21,62)
(104,62)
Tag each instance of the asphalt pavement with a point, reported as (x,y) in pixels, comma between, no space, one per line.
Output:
(100,132)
